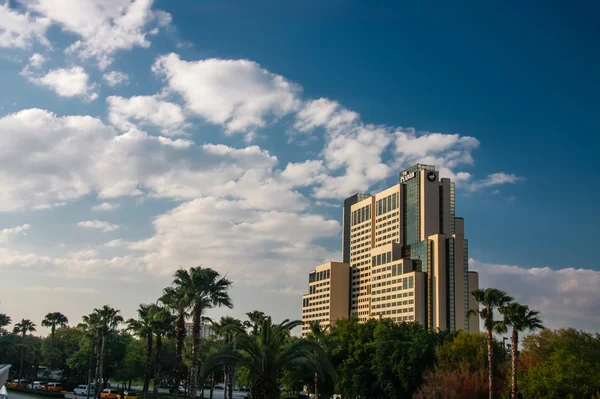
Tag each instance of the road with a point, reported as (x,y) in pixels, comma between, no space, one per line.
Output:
(217,395)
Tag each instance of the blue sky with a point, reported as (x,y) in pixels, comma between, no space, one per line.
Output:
(207,128)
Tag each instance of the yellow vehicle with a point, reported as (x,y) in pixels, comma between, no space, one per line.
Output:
(128,395)
(17,384)
(109,394)
(53,387)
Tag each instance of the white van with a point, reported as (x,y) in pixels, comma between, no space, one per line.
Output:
(82,390)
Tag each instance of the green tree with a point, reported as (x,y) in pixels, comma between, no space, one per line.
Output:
(204,288)
(163,323)
(53,320)
(267,354)
(143,328)
(4,321)
(255,319)
(228,328)
(489,300)
(562,364)
(66,342)
(23,327)
(108,318)
(520,318)
(90,327)
(177,301)
(134,361)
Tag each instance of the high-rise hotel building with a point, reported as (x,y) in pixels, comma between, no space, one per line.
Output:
(405,258)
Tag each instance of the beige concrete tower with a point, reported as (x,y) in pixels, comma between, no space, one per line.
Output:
(407,254)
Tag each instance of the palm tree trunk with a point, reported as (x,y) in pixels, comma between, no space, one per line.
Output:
(231,378)
(51,355)
(102,357)
(226,390)
(212,385)
(21,361)
(195,350)
(316,386)
(178,351)
(148,368)
(89,379)
(97,376)
(490,343)
(514,360)
(157,365)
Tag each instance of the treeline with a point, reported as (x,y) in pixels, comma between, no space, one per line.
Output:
(376,359)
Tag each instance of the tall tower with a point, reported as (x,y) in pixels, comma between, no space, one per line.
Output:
(407,253)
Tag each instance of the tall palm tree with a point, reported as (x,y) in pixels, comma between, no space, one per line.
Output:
(143,328)
(520,318)
(255,319)
(91,330)
(228,329)
(23,327)
(317,333)
(267,353)
(488,300)
(204,288)
(162,325)
(53,320)
(176,300)
(4,321)
(109,319)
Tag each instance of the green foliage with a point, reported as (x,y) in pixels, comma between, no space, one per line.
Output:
(66,342)
(134,362)
(562,364)
(465,351)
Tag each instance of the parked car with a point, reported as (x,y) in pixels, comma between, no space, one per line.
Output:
(82,390)
(17,384)
(109,394)
(53,387)
(36,385)
(128,395)
(180,388)
(220,386)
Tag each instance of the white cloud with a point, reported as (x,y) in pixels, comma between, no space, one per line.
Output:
(54,290)
(124,113)
(104,27)
(494,179)
(8,233)
(253,245)
(21,30)
(565,297)
(99,225)
(115,78)
(105,206)
(72,82)
(37,60)
(237,94)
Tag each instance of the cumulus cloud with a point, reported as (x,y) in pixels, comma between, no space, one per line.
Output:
(103,28)
(494,179)
(8,233)
(71,82)
(105,206)
(237,94)
(253,245)
(115,78)
(565,297)
(98,225)
(126,113)
(20,30)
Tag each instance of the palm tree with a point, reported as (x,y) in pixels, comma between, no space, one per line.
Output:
(204,288)
(53,320)
(4,321)
(91,328)
(267,353)
(176,300)
(317,333)
(23,327)
(228,329)
(143,328)
(520,318)
(255,319)
(162,325)
(489,299)
(109,319)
